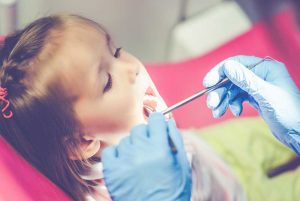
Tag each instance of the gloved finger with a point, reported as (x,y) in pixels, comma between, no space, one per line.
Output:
(216,74)
(232,92)
(247,61)
(236,106)
(221,109)
(109,155)
(236,99)
(175,135)
(244,78)
(124,147)
(264,68)
(157,126)
(215,97)
(138,133)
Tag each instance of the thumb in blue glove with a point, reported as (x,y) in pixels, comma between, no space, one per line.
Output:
(144,168)
(268,87)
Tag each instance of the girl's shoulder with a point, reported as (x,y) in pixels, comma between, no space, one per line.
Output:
(212,178)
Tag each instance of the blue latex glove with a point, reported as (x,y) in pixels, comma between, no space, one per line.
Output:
(143,167)
(268,87)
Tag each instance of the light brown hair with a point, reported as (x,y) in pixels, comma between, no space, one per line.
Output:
(43,129)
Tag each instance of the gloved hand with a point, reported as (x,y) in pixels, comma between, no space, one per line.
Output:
(268,87)
(143,167)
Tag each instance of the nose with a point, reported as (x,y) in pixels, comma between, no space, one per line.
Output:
(133,67)
(133,72)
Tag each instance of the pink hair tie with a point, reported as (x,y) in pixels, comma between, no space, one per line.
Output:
(3,94)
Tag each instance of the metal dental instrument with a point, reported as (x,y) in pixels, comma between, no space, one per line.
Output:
(171,143)
(208,89)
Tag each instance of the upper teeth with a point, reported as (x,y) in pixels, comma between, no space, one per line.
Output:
(160,104)
(149,97)
(149,109)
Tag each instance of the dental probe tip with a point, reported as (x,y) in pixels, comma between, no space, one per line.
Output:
(208,89)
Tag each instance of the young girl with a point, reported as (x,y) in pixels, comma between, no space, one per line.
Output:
(66,93)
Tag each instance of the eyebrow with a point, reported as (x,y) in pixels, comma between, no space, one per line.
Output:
(100,69)
(108,38)
(108,42)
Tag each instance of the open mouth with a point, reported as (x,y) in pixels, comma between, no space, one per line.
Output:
(150,103)
(147,111)
(153,103)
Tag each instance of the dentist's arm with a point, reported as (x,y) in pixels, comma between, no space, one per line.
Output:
(268,87)
(144,168)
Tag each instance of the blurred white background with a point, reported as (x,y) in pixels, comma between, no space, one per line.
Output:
(152,30)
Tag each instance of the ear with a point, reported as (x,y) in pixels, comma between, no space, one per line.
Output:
(89,146)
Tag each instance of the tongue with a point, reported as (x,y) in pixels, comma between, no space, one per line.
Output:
(151,104)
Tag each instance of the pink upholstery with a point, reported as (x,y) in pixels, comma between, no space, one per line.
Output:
(278,38)
(19,181)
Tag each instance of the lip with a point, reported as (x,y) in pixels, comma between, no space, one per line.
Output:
(149,102)
(152,103)
(150,92)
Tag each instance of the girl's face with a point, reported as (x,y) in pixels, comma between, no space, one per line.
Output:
(113,86)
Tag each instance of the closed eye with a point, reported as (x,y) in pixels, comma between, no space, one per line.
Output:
(108,84)
(117,52)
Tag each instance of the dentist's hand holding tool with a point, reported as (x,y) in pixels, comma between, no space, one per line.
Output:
(150,170)
(268,87)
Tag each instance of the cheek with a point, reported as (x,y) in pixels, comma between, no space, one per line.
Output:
(116,113)
(122,110)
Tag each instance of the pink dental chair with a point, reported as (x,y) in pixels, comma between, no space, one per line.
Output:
(277,38)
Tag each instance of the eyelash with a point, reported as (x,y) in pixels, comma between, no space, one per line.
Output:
(117,52)
(108,84)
